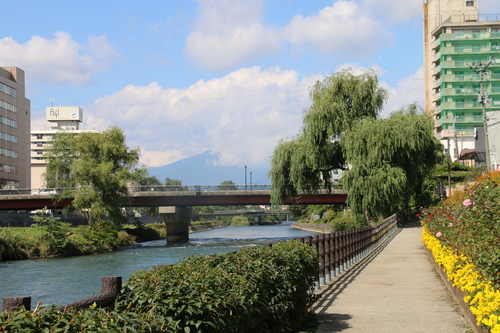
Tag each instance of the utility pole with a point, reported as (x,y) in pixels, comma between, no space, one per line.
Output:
(457,157)
(483,99)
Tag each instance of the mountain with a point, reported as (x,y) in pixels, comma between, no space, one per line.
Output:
(199,170)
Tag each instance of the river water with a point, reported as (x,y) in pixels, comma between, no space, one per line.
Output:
(64,280)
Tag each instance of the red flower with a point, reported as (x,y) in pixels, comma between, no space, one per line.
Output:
(418,215)
(449,217)
(430,216)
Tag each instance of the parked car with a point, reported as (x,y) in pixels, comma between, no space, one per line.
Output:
(45,191)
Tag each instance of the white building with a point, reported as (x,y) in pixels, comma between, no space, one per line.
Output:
(67,119)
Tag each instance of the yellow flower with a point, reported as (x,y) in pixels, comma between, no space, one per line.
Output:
(479,293)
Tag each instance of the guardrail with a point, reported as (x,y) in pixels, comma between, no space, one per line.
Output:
(169,188)
(339,250)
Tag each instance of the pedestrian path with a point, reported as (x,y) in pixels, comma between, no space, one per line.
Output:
(394,289)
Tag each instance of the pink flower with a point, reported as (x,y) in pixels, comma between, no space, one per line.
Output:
(467,202)
(450,224)
(439,234)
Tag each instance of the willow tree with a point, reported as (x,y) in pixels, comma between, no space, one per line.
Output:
(94,169)
(389,160)
(339,102)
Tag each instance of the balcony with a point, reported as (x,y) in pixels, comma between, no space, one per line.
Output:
(460,77)
(451,50)
(450,133)
(461,105)
(469,119)
(459,91)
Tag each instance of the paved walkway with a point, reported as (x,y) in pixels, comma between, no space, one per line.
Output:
(394,289)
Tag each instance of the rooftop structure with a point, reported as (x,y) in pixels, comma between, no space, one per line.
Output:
(67,119)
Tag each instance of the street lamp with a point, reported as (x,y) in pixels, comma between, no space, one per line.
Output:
(245,177)
(250,180)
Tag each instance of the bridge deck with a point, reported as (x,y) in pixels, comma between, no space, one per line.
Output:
(394,289)
(181,198)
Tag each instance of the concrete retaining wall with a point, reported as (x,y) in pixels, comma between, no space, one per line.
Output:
(25,220)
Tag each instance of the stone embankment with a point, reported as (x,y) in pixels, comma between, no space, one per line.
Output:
(315,227)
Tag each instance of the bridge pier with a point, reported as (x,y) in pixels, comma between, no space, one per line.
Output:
(177,220)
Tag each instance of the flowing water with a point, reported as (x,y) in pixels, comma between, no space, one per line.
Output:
(64,280)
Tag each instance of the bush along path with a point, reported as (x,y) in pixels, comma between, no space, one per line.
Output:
(267,289)
(463,234)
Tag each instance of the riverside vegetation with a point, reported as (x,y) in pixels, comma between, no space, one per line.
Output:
(51,238)
(463,233)
(266,289)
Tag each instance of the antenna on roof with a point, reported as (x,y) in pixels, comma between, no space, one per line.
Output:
(52,101)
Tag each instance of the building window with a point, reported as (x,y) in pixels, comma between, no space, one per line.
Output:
(8,90)
(39,136)
(469,3)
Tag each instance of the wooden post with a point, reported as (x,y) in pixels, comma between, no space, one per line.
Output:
(321,254)
(10,303)
(111,287)
(328,266)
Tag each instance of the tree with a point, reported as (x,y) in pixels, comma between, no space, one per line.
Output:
(173,184)
(227,185)
(338,102)
(385,160)
(94,169)
(389,161)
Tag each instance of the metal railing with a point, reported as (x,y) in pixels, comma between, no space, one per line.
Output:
(165,188)
(339,250)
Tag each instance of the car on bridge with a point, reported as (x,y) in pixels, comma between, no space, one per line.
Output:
(46,191)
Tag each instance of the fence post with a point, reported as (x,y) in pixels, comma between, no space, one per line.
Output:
(314,243)
(10,303)
(336,254)
(322,261)
(342,250)
(328,261)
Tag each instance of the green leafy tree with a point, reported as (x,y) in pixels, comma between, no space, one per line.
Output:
(94,170)
(339,102)
(389,161)
(385,160)
(227,185)
(173,184)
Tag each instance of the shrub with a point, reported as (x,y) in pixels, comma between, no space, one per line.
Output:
(240,221)
(254,290)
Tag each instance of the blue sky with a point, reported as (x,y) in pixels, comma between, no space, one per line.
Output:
(184,77)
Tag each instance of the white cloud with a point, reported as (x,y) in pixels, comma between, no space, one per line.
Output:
(358,69)
(408,90)
(230,33)
(240,116)
(58,61)
(342,30)
(394,12)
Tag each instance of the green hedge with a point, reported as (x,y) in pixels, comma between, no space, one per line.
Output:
(254,290)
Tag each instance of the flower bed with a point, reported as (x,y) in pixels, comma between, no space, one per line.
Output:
(483,299)
(463,234)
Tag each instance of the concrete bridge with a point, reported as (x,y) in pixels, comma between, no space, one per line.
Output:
(175,202)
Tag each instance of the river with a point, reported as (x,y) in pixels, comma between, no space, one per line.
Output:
(64,280)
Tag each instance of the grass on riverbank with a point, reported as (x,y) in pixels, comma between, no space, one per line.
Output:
(52,238)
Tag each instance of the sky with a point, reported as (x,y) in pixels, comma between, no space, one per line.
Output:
(183,77)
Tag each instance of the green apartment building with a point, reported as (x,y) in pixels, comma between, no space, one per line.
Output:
(458,42)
